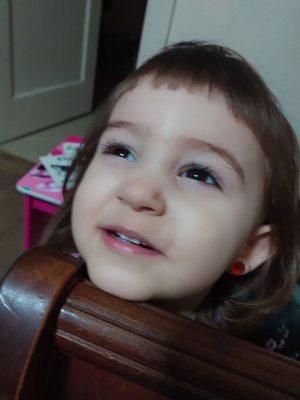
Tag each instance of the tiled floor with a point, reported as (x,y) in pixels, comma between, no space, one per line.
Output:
(31,146)
(16,158)
(11,209)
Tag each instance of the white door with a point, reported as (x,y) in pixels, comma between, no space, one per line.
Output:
(48,53)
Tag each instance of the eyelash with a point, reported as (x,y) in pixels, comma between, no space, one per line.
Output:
(110,146)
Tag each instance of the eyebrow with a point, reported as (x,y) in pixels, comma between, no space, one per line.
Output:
(189,142)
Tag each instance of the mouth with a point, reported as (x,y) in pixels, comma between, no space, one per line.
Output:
(129,239)
(126,244)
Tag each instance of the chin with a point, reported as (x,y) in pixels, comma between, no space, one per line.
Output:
(125,295)
(122,291)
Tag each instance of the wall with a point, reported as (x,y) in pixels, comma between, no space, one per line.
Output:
(266,32)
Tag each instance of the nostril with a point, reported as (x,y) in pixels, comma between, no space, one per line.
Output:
(142,200)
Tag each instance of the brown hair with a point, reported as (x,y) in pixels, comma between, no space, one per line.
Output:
(239,302)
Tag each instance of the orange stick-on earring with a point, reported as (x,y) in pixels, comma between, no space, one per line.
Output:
(237,268)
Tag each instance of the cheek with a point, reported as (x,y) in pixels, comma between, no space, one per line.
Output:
(83,210)
(209,236)
(77,219)
(92,192)
(93,195)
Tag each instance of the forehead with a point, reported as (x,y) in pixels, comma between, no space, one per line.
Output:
(166,114)
(198,110)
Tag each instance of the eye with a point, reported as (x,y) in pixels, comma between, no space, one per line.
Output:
(118,149)
(201,174)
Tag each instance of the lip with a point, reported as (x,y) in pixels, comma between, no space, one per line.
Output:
(133,234)
(125,247)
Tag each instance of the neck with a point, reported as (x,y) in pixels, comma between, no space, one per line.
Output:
(182,306)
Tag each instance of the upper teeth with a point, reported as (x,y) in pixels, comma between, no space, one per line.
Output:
(125,237)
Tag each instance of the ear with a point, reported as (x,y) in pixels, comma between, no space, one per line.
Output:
(259,248)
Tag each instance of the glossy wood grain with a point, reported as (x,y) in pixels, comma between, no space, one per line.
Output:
(63,338)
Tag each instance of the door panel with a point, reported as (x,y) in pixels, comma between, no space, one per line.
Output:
(48,60)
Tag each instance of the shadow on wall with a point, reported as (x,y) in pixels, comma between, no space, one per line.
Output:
(119,39)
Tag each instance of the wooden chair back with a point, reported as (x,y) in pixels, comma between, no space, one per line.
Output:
(63,338)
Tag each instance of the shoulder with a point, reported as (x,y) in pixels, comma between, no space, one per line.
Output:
(280,331)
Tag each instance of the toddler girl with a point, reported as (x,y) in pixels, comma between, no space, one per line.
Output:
(187,193)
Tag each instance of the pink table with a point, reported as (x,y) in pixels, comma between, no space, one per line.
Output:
(41,197)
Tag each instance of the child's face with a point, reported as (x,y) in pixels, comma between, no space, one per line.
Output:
(199,220)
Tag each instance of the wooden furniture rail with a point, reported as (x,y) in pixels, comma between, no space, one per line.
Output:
(63,338)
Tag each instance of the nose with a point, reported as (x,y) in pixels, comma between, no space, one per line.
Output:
(142,194)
